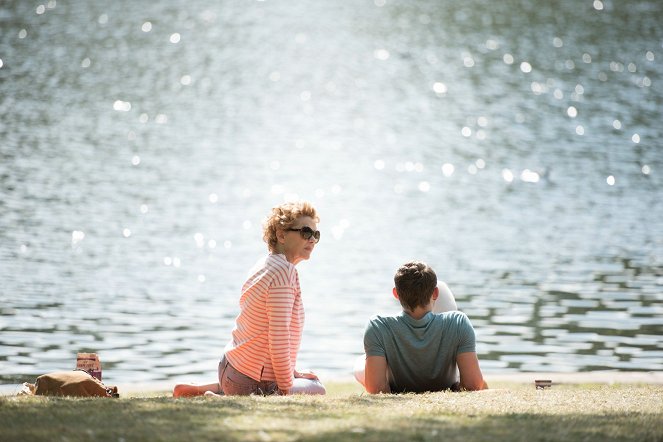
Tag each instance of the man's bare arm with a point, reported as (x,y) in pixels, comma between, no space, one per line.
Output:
(470,373)
(376,375)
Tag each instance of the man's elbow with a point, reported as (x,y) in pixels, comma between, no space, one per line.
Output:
(476,385)
(377,389)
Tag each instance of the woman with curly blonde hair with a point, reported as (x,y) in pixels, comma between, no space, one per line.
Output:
(261,355)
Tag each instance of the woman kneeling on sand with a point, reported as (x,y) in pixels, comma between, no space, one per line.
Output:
(261,355)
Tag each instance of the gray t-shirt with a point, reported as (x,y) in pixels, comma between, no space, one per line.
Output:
(420,353)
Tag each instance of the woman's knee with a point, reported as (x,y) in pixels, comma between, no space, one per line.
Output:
(307,386)
(445,301)
(359,369)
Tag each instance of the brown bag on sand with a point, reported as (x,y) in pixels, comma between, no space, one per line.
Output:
(72,383)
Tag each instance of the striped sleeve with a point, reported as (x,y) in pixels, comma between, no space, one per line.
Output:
(279,305)
(268,329)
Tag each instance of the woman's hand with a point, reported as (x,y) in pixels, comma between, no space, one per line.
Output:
(306,374)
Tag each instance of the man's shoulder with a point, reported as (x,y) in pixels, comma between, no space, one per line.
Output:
(457,323)
(453,318)
(446,320)
(383,322)
(383,319)
(452,315)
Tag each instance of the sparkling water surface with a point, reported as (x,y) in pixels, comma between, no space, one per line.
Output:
(515,146)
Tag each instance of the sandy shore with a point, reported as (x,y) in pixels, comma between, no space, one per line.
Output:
(590,377)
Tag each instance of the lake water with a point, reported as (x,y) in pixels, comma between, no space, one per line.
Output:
(515,146)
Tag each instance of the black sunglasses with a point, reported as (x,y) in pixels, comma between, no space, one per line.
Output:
(307,232)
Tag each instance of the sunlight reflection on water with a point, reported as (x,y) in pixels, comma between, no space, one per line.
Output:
(514,146)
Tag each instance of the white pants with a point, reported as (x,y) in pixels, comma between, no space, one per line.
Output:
(307,386)
(445,303)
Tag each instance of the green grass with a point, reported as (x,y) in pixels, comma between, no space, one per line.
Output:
(512,412)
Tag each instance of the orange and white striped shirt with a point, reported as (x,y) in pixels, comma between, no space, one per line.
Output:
(268,329)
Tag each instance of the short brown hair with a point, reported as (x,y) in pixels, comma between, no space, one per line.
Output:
(415,282)
(284,217)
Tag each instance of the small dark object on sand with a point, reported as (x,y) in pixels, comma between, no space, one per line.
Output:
(542,383)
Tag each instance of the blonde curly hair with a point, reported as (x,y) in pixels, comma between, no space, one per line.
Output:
(284,217)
